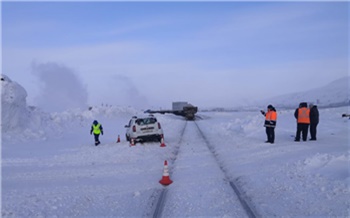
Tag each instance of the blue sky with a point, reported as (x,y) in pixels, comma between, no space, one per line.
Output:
(148,54)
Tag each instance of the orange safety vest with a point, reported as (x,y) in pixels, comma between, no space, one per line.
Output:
(271,116)
(304,115)
(270,119)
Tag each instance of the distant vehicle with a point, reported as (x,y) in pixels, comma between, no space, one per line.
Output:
(144,129)
(181,108)
(185,109)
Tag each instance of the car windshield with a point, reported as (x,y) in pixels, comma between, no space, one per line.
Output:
(146,121)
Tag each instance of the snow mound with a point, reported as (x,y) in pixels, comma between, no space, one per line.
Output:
(22,122)
(14,107)
(335,166)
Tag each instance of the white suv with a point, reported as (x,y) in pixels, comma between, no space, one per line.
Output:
(144,129)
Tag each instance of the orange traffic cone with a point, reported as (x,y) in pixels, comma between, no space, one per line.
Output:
(165,179)
(162,142)
(118,140)
(132,142)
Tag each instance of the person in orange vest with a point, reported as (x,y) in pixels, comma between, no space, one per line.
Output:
(270,123)
(302,114)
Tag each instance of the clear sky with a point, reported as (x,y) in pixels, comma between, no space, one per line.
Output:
(149,54)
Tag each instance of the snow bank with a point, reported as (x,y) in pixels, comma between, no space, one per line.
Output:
(14,107)
(21,122)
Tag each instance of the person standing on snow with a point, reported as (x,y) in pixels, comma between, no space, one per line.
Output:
(302,114)
(97,129)
(314,118)
(270,123)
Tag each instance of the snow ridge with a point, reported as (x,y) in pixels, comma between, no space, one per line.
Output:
(334,94)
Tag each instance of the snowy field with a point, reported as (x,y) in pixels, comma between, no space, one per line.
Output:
(60,173)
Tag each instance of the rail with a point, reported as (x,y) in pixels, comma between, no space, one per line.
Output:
(162,194)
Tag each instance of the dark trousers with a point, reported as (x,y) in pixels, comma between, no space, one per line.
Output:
(97,141)
(302,128)
(313,130)
(270,132)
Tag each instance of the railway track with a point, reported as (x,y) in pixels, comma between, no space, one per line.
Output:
(200,171)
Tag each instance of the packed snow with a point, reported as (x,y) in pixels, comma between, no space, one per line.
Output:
(51,167)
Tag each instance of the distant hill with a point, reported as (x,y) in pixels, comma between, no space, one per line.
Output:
(334,94)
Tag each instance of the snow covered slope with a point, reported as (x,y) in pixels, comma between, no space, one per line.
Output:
(335,93)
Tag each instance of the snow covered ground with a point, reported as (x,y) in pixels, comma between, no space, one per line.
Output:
(69,176)
(51,168)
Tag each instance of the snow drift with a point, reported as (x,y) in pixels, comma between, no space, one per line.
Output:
(18,120)
(15,112)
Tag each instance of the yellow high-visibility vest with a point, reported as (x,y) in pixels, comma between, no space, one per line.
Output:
(96,129)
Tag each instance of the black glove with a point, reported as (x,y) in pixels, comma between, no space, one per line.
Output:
(262,112)
(102,132)
(90,132)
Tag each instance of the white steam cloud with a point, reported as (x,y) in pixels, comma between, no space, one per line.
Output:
(60,88)
(129,91)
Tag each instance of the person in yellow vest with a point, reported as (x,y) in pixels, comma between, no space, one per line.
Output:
(270,123)
(97,129)
(302,114)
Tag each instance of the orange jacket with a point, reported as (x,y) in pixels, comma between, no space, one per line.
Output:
(303,115)
(270,118)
